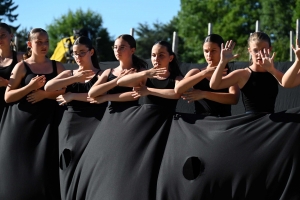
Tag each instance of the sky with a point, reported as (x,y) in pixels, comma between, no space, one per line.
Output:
(118,16)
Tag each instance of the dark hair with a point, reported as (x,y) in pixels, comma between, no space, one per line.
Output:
(138,63)
(88,43)
(8,29)
(173,65)
(258,36)
(214,38)
(30,37)
(217,39)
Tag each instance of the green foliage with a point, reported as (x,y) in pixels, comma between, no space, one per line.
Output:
(6,9)
(22,36)
(235,19)
(63,27)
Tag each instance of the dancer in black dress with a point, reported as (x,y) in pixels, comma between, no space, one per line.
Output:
(291,78)
(28,142)
(8,59)
(258,82)
(208,101)
(123,156)
(91,165)
(80,117)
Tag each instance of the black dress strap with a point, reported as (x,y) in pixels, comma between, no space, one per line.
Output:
(27,67)
(250,69)
(54,66)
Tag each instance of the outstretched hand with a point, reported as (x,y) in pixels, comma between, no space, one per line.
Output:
(139,91)
(297,49)
(193,95)
(125,72)
(267,62)
(83,75)
(156,72)
(226,52)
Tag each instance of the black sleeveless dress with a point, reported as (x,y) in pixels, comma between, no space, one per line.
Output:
(77,126)
(123,156)
(260,92)
(28,147)
(208,107)
(5,72)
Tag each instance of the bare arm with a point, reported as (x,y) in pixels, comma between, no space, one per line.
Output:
(291,78)
(102,86)
(13,91)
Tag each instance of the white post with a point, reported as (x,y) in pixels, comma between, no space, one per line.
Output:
(257,26)
(175,43)
(209,28)
(249,53)
(132,32)
(16,42)
(298,30)
(291,49)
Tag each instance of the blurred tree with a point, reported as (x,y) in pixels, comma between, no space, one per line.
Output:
(235,19)
(6,11)
(63,27)
(22,36)
(147,36)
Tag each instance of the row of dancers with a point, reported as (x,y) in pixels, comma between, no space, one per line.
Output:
(32,122)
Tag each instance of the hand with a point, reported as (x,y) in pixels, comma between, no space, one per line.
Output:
(156,72)
(3,82)
(36,96)
(83,75)
(297,49)
(226,52)
(140,91)
(97,100)
(124,72)
(64,98)
(193,95)
(266,61)
(37,82)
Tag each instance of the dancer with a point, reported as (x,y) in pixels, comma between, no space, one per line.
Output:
(258,82)
(8,59)
(195,85)
(80,117)
(28,154)
(291,78)
(158,82)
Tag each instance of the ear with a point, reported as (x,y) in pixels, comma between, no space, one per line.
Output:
(249,50)
(132,50)
(29,44)
(171,58)
(92,51)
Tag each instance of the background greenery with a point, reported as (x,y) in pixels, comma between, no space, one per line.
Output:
(232,19)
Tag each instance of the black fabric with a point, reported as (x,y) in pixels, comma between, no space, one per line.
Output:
(254,156)
(123,157)
(208,107)
(120,89)
(78,123)
(29,149)
(260,92)
(168,83)
(5,72)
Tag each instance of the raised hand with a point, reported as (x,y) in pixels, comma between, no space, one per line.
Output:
(64,98)
(297,49)
(124,72)
(37,82)
(3,82)
(36,96)
(83,75)
(226,52)
(156,72)
(267,62)
(193,95)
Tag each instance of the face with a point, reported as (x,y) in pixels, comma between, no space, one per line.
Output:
(122,49)
(254,49)
(5,38)
(160,57)
(211,52)
(39,43)
(82,54)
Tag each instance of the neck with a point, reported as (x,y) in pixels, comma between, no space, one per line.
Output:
(5,53)
(89,66)
(257,68)
(126,64)
(37,59)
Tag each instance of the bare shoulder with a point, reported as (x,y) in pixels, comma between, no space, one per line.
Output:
(60,67)
(242,75)
(192,72)
(19,69)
